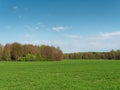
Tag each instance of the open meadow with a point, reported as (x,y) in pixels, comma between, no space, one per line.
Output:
(60,75)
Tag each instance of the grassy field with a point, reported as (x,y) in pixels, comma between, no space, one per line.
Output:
(60,75)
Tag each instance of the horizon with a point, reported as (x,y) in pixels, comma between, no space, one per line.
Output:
(74,26)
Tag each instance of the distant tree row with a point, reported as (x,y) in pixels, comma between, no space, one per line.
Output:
(112,55)
(29,52)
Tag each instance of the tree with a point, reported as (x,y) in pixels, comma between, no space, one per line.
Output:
(51,53)
(16,51)
(29,52)
(118,54)
(1,51)
(58,54)
(6,52)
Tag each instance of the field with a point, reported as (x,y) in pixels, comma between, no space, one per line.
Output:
(60,75)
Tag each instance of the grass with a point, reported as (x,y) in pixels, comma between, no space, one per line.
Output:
(63,75)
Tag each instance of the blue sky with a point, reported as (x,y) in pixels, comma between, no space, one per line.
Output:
(73,25)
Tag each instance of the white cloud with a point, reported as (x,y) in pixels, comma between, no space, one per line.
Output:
(30,28)
(39,23)
(110,34)
(75,43)
(60,28)
(35,27)
(78,43)
(36,42)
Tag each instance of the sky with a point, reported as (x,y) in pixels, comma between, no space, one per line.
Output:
(73,25)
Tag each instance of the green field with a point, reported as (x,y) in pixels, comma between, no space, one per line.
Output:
(60,75)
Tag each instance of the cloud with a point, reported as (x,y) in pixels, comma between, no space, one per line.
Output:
(35,27)
(99,43)
(79,43)
(39,23)
(110,34)
(60,28)
(36,42)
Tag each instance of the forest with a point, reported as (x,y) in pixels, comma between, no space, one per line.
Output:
(112,55)
(29,52)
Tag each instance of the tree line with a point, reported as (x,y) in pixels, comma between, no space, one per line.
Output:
(29,52)
(112,55)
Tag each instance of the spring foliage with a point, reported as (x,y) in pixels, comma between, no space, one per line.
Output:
(29,52)
(112,55)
